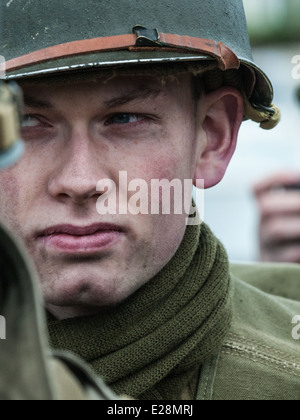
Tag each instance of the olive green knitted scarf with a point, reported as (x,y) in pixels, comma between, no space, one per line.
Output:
(150,345)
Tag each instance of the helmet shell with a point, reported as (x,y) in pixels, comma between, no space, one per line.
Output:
(34,25)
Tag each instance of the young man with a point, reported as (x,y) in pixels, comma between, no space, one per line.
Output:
(149,302)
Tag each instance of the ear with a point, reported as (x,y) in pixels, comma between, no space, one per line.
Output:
(221,117)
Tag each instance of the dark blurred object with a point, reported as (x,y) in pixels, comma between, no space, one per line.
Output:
(292,187)
(298,94)
(29,370)
(11,110)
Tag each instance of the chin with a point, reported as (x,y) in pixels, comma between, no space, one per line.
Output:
(87,290)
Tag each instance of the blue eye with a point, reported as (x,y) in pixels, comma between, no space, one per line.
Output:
(124,119)
(30,121)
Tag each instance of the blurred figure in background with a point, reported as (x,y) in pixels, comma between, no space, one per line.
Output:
(279,203)
(278,198)
(260,155)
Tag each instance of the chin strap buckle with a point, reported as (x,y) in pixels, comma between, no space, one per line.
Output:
(146,37)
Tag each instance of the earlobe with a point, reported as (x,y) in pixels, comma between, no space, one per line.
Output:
(221,120)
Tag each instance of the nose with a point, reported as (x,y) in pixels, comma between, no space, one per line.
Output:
(77,171)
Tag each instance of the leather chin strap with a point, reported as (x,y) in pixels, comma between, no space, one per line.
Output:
(167,42)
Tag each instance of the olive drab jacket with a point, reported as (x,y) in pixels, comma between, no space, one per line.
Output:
(260,358)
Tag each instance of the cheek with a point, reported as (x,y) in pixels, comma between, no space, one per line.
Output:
(10,196)
(174,164)
(161,167)
(175,159)
(170,158)
(17,194)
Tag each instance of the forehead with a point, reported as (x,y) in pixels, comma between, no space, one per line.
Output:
(139,84)
(109,93)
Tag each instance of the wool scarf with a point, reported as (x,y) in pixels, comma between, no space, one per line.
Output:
(149,346)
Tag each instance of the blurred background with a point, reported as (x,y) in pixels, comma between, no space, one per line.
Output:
(231,209)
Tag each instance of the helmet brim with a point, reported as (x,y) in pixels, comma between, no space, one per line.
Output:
(102,60)
(115,59)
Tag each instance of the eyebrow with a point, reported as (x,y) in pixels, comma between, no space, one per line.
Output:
(139,93)
(32,102)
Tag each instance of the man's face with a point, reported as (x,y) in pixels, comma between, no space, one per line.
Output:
(76,135)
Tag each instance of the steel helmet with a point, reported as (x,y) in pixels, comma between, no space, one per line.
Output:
(42,37)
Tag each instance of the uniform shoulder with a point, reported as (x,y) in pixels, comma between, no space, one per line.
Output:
(276,279)
(260,357)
